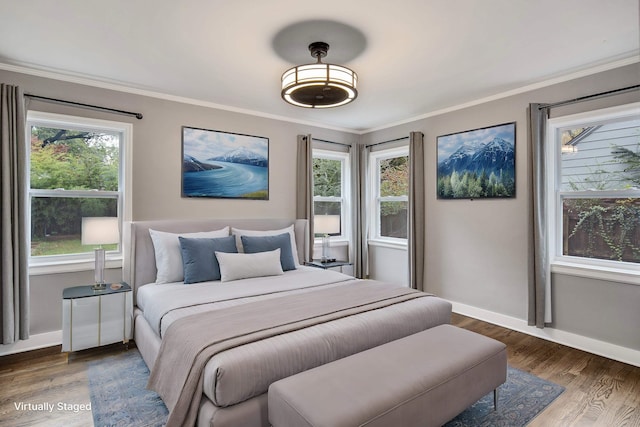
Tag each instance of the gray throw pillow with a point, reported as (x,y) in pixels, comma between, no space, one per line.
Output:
(254,244)
(199,260)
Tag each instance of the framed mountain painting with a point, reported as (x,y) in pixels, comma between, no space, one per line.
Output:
(224,165)
(478,163)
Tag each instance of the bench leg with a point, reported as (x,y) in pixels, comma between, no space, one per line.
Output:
(495,399)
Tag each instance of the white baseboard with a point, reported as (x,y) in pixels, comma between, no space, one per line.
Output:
(47,339)
(601,348)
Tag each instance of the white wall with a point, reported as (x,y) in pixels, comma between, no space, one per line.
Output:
(477,251)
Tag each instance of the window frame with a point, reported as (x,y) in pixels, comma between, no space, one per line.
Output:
(50,264)
(345,190)
(375,157)
(618,271)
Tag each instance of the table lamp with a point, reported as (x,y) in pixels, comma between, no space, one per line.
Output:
(100,231)
(326,225)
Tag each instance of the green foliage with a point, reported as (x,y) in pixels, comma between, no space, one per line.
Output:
(631,160)
(471,185)
(609,228)
(327,176)
(82,161)
(394,181)
(70,160)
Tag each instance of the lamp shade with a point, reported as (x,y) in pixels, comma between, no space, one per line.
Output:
(326,224)
(100,230)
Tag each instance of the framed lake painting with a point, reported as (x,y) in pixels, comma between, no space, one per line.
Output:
(478,163)
(224,165)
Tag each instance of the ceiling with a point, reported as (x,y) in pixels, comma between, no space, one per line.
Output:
(413,57)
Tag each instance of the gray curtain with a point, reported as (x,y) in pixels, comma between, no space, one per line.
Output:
(539,273)
(360,219)
(416,214)
(14,298)
(304,187)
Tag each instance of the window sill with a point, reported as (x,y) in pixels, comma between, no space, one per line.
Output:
(631,277)
(40,269)
(389,244)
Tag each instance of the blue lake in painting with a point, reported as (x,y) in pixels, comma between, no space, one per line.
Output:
(233,180)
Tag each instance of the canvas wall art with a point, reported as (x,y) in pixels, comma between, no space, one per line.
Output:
(478,163)
(224,165)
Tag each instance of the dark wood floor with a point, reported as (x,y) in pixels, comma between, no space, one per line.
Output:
(599,391)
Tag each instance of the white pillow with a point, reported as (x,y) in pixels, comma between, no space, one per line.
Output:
(294,249)
(244,266)
(168,255)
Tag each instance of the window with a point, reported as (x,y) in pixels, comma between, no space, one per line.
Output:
(331,187)
(594,189)
(75,171)
(390,194)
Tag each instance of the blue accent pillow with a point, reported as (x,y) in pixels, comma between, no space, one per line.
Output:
(199,260)
(254,244)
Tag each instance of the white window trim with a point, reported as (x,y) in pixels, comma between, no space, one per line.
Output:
(374,190)
(84,262)
(345,214)
(616,271)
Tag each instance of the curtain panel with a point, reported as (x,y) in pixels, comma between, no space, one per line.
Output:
(360,216)
(539,312)
(416,214)
(14,295)
(304,187)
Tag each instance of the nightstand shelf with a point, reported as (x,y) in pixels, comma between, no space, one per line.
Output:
(92,318)
(326,265)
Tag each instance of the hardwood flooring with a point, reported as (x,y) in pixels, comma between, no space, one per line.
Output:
(599,391)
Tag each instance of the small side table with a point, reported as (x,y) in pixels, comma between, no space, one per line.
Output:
(91,318)
(333,265)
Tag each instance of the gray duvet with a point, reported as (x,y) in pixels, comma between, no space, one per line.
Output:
(256,344)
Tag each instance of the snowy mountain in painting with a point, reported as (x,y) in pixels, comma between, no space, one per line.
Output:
(494,156)
(191,164)
(244,156)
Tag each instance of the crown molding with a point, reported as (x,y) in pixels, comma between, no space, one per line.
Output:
(83,80)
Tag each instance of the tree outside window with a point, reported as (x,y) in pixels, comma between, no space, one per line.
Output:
(329,185)
(74,173)
(390,194)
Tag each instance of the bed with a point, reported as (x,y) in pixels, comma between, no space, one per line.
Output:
(239,336)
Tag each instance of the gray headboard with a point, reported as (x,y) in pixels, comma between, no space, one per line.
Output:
(139,267)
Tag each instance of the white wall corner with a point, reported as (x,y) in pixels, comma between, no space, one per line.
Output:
(580,342)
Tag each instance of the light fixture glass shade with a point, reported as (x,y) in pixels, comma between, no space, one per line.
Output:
(319,85)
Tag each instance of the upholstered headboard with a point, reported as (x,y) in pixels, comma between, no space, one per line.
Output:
(139,267)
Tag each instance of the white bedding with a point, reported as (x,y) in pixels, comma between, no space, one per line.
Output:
(162,304)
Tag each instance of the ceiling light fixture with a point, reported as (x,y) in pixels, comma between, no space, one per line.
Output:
(319,85)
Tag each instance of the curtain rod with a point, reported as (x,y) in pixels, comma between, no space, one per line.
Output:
(386,142)
(588,97)
(330,142)
(79,104)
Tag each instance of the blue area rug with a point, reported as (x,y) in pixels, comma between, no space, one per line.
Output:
(520,399)
(119,397)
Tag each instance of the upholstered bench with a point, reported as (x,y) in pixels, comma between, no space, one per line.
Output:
(425,379)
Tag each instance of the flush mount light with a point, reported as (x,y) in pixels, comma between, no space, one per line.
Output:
(319,85)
